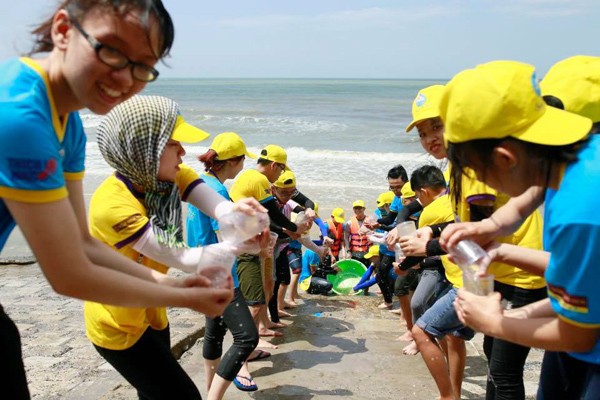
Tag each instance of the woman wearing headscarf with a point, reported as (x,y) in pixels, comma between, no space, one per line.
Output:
(137,211)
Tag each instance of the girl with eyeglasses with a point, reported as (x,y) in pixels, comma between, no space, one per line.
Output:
(95,55)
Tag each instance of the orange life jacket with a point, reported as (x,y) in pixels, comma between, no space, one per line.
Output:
(338,233)
(358,243)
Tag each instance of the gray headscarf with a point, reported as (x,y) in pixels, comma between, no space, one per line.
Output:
(131,139)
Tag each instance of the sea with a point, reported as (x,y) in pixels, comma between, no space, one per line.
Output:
(341,135)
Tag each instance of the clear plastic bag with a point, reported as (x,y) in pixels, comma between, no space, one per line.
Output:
(237,227)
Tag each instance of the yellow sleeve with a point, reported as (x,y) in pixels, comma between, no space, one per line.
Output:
(116,216)
(186,179)
(471,190)
(440,210)
(251,183)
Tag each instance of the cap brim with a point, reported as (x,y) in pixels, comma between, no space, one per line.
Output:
(556,128)
(338,219)
(422,118)
(251,155)
(187,133)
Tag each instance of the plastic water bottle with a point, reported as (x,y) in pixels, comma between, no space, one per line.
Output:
(237,227)
(473,261)
(398,253)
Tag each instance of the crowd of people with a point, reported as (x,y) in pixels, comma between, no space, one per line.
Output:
(523,162)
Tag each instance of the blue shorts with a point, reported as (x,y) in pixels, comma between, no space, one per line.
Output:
(441,319)
(295,260)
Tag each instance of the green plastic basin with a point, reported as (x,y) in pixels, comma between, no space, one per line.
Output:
(350,273)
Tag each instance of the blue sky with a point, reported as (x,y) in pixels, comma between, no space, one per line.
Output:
(352,38)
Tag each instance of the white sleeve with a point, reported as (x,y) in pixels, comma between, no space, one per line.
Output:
(207,200)
(185,259)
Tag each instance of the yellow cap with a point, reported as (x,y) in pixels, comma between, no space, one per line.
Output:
(229,145)
(407,191)
(426,105)
(186,133)
(274,153)
(373,252)
(359,203)
(576,82)
(501,99)
(385,198)
(338,215)
(286,180)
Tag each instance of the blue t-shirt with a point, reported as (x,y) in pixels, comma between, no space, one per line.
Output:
(383,249)
(308,258)
(396,205)
(572,236)
(201,229)
(39,150)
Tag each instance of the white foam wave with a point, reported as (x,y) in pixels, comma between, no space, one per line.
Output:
(334,178)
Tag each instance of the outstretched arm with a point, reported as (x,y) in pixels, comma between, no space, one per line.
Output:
(504,221)
(79,266)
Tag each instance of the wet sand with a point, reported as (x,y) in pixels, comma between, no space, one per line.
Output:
(333,348)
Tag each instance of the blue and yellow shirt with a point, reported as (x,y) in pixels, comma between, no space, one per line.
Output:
(40,149)
(572,236)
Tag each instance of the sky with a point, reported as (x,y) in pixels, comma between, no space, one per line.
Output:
(351,38)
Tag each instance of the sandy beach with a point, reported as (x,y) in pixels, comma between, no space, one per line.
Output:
(335,347)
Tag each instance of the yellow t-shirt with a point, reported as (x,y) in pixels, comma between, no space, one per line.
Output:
(118,217)
(440,210)
(251,183)
(528,235)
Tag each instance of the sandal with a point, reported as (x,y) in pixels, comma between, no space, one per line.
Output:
(261,355)
(242,387)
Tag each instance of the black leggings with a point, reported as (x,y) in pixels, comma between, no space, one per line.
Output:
(505,359)
(151,369)
(12,371)
(282,275)
(382,277)
(238,319)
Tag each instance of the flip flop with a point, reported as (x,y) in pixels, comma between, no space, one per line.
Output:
(261,355)
(242,387)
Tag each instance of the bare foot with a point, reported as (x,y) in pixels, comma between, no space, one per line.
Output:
(276,325)
(411,349)
(406,337)
(269,332)
(396,311)
(284,314)
(266,344)
(384,306)
(289,304)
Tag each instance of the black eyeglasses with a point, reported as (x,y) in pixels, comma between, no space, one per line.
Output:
(282,166)
(115,59)
(396,187)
